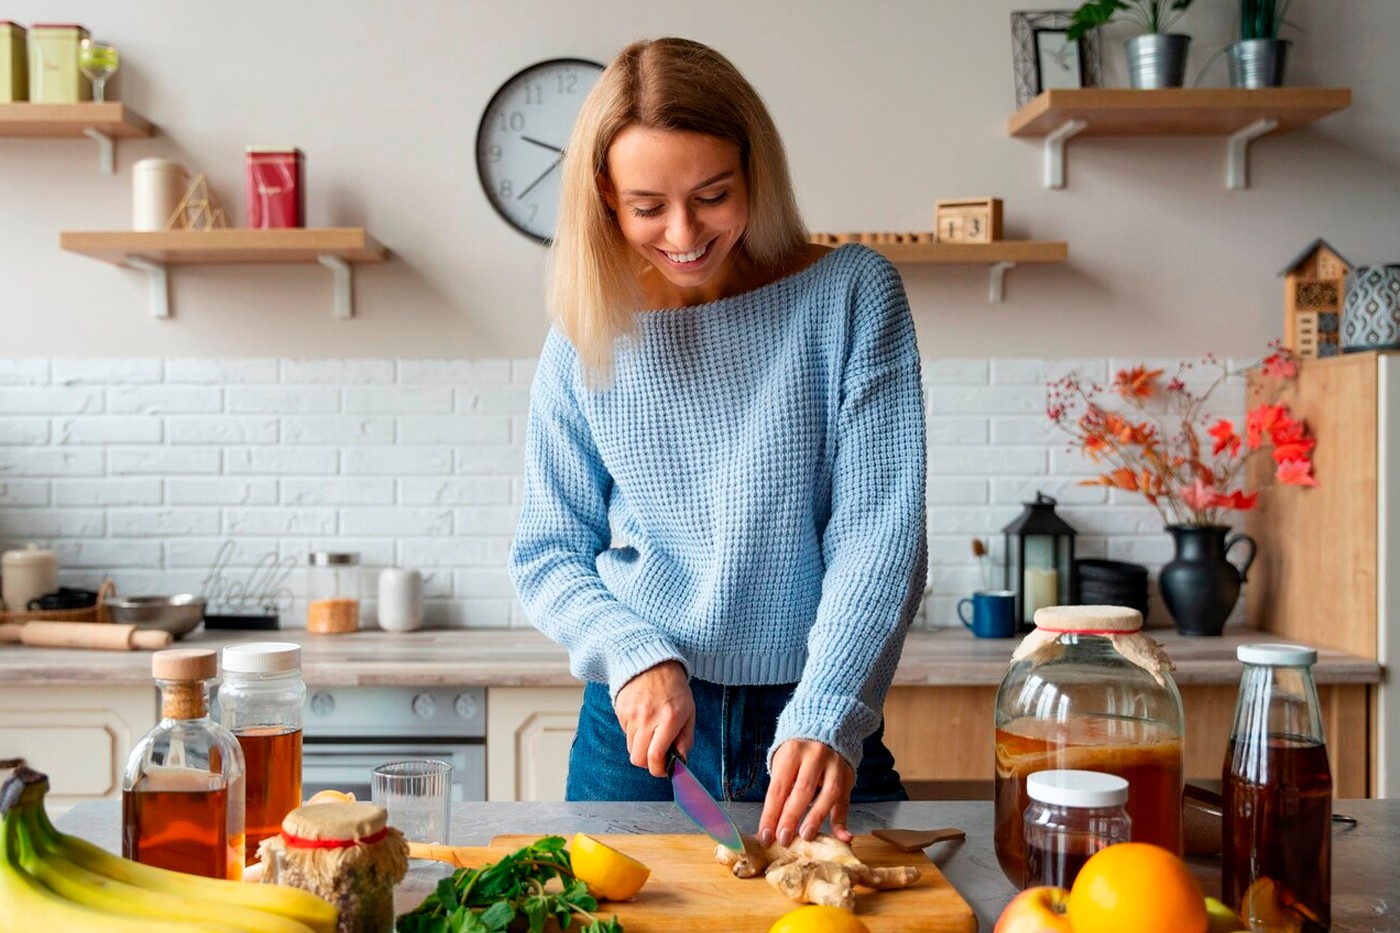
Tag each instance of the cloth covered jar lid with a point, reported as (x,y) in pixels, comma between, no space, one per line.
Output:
(336,822)
(1089,620)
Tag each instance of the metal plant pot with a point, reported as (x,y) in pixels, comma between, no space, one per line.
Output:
(1257,62)
(1371,313)
(1157,60)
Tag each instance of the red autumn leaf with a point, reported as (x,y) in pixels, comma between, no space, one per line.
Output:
(1225,437)
(1259,422)
(1298,450)
(1239,499)
(1295,473)
(1200,495)
(1138,382)
(1280,366)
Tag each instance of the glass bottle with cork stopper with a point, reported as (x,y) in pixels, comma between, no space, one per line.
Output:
(260,702)
(1088,691)
(182,793)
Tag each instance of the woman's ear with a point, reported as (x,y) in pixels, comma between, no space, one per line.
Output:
(605,188)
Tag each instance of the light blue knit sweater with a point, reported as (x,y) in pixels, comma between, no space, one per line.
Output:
(746,498)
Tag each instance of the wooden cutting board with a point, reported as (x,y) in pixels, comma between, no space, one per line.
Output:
(688,890)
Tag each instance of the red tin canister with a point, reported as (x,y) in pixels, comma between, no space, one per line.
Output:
(276,193)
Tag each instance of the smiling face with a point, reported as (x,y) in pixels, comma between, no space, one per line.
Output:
(682,202)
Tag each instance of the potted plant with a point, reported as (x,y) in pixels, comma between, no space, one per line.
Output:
(1258,58)
(1157,58)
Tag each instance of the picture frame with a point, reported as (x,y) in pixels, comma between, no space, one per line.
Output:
(1044,57)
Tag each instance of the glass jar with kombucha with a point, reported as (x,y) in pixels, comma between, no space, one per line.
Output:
(1088,691)
(260,702)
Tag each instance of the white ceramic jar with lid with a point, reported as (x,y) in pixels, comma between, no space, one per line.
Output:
(157,188)
(400,599)
(27,574)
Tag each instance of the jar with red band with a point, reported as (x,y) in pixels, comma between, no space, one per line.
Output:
(344,853)
(1087,690)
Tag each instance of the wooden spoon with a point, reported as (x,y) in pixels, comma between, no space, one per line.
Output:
(916,840)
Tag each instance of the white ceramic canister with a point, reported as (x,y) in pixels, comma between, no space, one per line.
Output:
(157,187)
(27,574)
(400,599)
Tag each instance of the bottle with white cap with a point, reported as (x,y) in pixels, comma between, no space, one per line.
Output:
(260,702)
(1072,815)
(1275,864)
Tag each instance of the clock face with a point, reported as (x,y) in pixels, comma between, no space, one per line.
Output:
(521,139)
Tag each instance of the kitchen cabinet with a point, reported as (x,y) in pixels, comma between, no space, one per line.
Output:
(152,252)
(999,255)
(79,735)
(529,732)
(1240,114)
(103,122)
(1328,568)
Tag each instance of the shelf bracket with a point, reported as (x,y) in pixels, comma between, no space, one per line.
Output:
(340,279)
(1237,161)
(1055,151)
(997,288)
(159,282)
(106,150)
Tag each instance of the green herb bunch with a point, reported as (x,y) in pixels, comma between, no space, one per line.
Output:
(1261,19)
(492,898)
(1151,16)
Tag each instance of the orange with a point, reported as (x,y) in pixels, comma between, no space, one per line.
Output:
(1139,887)
(818,919)
(609,874)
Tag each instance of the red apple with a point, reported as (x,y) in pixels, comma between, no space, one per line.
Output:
(1036,910)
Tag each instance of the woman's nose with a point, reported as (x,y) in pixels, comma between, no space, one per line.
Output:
(681,228)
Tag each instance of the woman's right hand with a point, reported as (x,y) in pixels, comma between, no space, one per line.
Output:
(656,710)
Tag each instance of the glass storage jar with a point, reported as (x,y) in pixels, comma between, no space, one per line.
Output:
(334,585)
(1072,815)
(260,702)
(1088,691)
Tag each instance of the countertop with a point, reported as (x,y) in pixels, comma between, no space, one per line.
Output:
(525,658)
(1365,885)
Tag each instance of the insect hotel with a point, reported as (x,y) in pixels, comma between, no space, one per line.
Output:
(1313,291)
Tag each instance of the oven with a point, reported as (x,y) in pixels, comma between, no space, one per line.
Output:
(347,731)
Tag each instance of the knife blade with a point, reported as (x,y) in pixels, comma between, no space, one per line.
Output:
(696,803)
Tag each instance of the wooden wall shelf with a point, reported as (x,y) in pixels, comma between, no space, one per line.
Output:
(103,122)
(1241,114)
(336,248)
(1001,255)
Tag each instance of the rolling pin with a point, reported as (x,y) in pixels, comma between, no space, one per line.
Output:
(84,635)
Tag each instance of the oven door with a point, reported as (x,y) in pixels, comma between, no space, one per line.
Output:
(345,766)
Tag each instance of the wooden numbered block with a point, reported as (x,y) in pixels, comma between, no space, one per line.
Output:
(970,220)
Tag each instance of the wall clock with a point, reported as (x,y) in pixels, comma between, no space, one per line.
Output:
(520,141)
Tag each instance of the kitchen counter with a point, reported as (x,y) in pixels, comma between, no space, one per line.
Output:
(1365,886)
(525,658)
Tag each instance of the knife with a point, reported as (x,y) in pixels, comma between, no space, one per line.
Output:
(696,803)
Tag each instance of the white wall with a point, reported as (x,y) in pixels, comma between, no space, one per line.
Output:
(886,107)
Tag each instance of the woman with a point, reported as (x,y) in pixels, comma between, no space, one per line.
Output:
(723,517)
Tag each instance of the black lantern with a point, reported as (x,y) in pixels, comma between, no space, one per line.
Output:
(1039,550)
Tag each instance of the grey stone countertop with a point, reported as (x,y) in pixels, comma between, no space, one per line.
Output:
(524,657)
(1365,884)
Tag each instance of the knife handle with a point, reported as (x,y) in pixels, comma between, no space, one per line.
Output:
(672,756)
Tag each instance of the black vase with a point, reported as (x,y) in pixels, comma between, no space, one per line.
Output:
(1199,585)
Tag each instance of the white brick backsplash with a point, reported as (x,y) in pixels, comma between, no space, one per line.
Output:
(522,372)
(493,400)
(245,554)
(51,461)
(283,399)
(338,429)
(1063,490)
(87,371)
(954,372)
(107,492)
(400,521)
(491,460)
(109,553)
(407,400)
(79,400)
(454,552)
(147,523)
(53,523)
(280,521)
(454,491)
(400,460)
(986,461)
(164,400)
(455,372)
(23,431)
(163,461)
(991,400)
(19,492)
(947,429)
(338,372)
(23,372)
(224,429)
(483,584)
(454,429)
(1034,374)
(374,553)
(1025,429)
(220,372)
(307,461)
(947,490)
(338,491)
(107,430)
(487,520)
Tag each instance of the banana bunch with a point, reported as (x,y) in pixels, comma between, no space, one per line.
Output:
(54,883)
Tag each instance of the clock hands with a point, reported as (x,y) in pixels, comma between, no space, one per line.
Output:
(531,187)
(545,145)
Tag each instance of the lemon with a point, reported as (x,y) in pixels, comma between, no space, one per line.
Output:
(818,919)
(1222,918)
(332,796)
(609,874)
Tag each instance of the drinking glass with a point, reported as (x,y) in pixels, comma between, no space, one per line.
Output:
(418,795)
(98,61)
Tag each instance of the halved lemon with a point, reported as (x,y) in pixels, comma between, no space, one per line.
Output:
(816,918)
(609,874)
(332,796)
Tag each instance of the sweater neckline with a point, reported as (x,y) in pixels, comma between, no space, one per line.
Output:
(743,296)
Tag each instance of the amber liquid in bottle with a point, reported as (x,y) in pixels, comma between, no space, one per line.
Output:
(176,820)
(1146,754)
(1276,864)
(272,781)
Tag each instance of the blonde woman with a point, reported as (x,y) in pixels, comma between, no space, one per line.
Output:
(723,518)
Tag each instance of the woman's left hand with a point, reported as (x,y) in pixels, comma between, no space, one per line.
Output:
(806,774)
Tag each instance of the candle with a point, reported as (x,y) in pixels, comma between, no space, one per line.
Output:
(1042,588)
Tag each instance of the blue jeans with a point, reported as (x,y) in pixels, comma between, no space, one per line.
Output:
(734,728)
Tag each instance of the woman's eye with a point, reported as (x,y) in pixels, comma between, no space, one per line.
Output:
(645,211)
(716,200)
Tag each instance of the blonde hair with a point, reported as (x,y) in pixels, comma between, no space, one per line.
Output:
(670,84)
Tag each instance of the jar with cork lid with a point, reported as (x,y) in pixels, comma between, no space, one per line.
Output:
(334,589)
(182,792)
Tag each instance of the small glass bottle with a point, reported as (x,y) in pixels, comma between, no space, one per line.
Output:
(260,702)
(1072,815)
(1276,843)
(182,792)
(334,607)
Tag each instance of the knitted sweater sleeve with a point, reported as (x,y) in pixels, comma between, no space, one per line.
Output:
(563,528)
(874,542)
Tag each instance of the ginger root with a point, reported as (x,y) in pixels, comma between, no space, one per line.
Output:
(822,871)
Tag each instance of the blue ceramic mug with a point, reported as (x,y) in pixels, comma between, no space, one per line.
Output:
(993,614)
